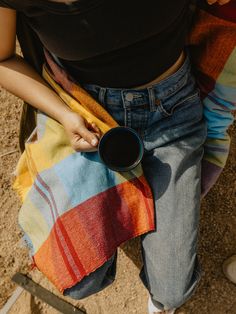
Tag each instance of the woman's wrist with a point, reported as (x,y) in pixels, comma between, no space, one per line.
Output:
(61,113)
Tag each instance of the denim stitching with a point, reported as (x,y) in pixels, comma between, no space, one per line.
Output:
(176,87)
(152,103)
(168,114)
(124,107)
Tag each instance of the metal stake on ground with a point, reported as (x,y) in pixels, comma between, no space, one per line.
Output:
(38,291)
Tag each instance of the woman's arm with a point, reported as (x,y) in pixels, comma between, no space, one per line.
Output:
(19,78)
(22,80)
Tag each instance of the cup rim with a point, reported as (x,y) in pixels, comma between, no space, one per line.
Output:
(141,151)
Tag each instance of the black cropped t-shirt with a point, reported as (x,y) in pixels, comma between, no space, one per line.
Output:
(113,43)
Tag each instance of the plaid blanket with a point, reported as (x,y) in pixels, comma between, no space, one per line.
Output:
(212,43)
(75,211)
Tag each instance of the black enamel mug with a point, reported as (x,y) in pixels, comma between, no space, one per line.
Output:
(121,148)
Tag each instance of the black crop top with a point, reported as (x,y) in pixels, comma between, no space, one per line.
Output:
(114,43)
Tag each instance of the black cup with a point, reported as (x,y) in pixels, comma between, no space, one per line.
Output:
(121,148)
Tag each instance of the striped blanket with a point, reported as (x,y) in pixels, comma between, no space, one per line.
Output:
(212,43)
(75,211)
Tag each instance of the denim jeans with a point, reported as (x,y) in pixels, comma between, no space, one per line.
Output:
(169,117)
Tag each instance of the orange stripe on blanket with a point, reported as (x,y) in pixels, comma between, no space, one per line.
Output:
(49,261)
(146,217)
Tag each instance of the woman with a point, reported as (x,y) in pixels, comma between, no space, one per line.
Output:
(132,59)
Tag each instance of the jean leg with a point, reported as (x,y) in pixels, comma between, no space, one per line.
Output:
(171,269)
(94,282)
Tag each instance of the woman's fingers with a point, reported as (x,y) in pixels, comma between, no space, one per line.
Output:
(84,136)
(96,129)
(212,1)
(84,141)
(88,136)
(82,145)
(221,2)
(85,146)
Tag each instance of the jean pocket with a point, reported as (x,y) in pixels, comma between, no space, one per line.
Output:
(169,108)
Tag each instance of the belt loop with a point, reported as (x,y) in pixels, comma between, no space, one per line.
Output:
(153,106)
(101,95)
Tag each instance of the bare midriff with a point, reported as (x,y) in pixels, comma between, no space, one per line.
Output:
(167,73)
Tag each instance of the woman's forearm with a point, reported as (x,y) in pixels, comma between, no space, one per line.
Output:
(19,78)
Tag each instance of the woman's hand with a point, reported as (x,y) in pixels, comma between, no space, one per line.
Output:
(83,136)
(221,2)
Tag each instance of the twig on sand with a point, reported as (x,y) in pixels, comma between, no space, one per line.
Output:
(12,300)
(10,152)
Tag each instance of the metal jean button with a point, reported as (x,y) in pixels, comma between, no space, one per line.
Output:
(129,97)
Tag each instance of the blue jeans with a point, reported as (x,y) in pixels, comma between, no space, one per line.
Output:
(169,117)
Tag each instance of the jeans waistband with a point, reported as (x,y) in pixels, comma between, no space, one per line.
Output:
(151,95)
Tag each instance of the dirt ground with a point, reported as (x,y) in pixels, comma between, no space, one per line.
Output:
(215,295)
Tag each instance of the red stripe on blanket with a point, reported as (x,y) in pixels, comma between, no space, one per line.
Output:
(57,231)
(68,251)
(95,228)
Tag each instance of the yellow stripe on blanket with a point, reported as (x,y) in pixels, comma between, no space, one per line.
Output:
(33,223)
(228,75)
(76,106)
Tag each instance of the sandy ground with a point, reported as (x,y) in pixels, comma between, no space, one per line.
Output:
(215,295)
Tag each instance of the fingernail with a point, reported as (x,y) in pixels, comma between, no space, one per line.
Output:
(94,142)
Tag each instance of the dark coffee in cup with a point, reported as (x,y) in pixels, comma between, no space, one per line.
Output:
(121,148)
